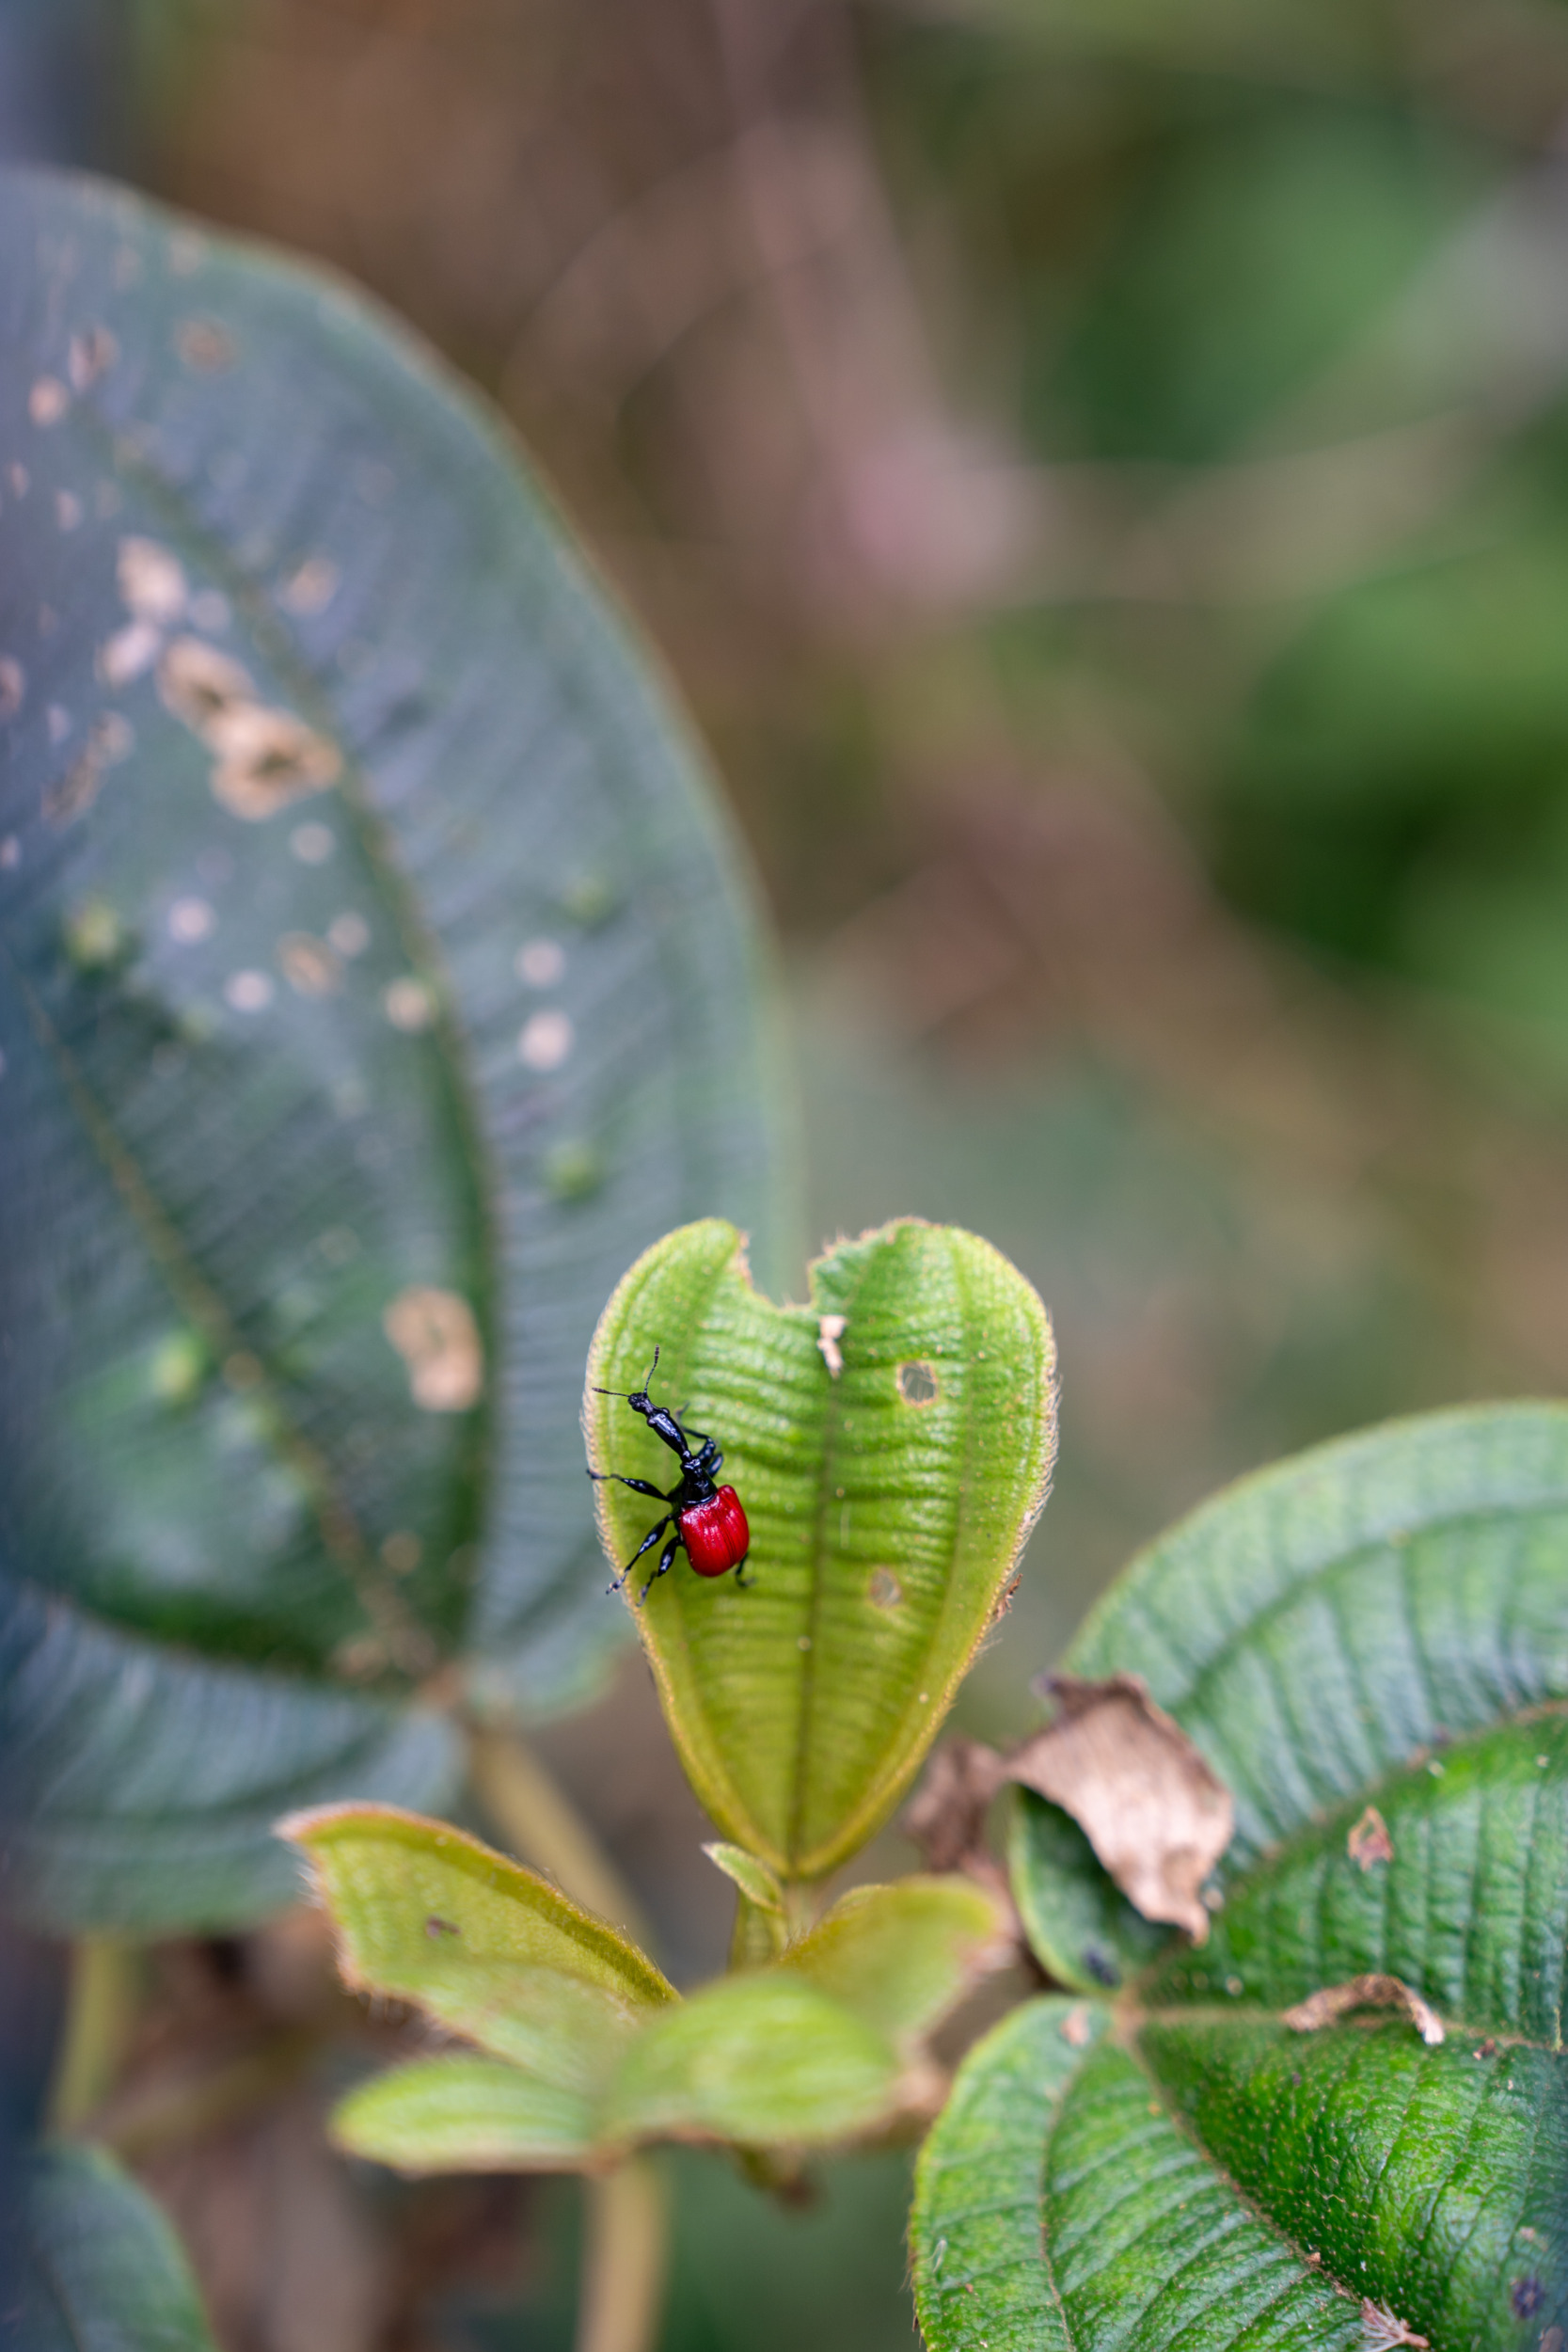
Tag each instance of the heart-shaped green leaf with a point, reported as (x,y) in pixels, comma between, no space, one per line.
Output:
(375,979)
(1343,2116)
(88,2260)
(891,1444)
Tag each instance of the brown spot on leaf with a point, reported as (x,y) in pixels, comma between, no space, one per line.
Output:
(1368,1842)
(829,1330)
(266,757)
(1383,2327)
(151,582)
(1156,1815)
(918,1383)
(436,1334)
(310,967)
(311,588)
(883,1590)
(48,401)
(1334,2001)
(205,346)
(434,1927)
(1076,2027)
(1526,2297)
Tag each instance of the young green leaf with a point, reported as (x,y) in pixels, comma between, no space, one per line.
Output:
(902,1956)
(376,977)
(1343,2118)
(760,2060)
(466,2114)
(487,1948)
(87,2259)
(891,1445)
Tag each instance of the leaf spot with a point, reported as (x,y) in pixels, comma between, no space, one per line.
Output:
(1383,2327)
(190,920)
(13,687)
(349,934)
(540,963)
(1076,2027)
(436,1926)
(310,967)
(68,509)
(11,853)
(1334,2001)
(128,653)
(829,1330)
(151,582)
(1368,1842)
(1526,2297)
(436,1334)
(248,992)
(883,1590)
(918,1383)
(204,346)
(546,1040)
(409,1006)
(311,588)
(48,402)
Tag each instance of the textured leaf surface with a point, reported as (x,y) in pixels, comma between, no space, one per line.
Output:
(887,1503)
(488,1948)
(1370,1644)
(374,981)
(91,2265)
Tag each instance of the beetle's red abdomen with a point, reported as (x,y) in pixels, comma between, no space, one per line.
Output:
(715,1533)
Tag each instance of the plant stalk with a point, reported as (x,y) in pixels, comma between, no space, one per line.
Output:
(543,1829)
(100,2014)
(624,2260)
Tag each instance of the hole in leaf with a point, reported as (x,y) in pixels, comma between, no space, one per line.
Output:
(918,1383)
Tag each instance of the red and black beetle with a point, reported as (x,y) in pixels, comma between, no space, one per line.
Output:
(709,1523)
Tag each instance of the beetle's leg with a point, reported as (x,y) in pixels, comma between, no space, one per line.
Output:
(744,1581)
(641,1485)
(663,1569)
(709,1462)
(649,1539)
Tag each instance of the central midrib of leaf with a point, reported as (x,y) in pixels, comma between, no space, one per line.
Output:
(341,1533)
(826,1495)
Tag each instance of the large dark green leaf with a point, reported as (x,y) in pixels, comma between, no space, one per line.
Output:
(374,981)
(1370,1643)
(88,2264)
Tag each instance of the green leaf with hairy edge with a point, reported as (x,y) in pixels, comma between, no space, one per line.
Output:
(487,1948)
(86,2260)
(376,979)
(462,2114)
(1077,1920)
(1370,1644)
(887,1504)
(756,1881)
(902,1956)
(758,2060)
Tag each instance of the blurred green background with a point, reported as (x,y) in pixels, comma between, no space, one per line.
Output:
(1100,474)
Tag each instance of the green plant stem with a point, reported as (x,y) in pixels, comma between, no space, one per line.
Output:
(101,2012)
(625,2259)
(544,1829)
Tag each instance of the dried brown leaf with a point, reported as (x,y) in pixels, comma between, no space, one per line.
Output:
(947,1817)
(1156,1815)
(1332,2001)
